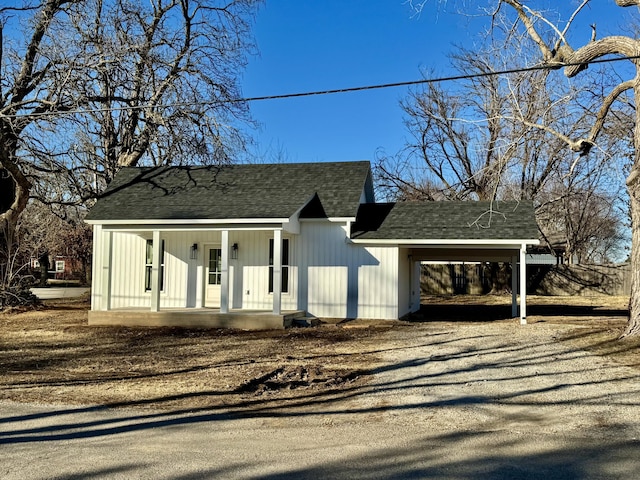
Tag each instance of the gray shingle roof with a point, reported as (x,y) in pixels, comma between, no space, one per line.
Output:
(446,220)
(233,191)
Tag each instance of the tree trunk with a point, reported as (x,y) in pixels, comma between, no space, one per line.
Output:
(633,325)
(44,269)
(633,185)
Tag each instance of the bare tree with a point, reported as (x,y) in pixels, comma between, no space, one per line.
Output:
(551,41)
(480,140)
(88,87)
(34,76)
(162,87)
(29,91)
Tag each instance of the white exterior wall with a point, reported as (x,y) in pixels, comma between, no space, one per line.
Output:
(96,269)
(408,283)
(127,271)
(378,283)
(183,276)
(342,280)
(328,277)
(251,278)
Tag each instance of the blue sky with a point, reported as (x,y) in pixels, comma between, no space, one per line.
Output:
(310,45)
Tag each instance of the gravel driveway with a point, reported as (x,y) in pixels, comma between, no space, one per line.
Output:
(482,401)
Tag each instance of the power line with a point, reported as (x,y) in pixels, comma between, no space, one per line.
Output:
(547,66)
(554,66)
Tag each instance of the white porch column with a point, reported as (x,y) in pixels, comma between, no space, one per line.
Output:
(156,271)
(523,285)
(277,272)
(514,286)
(224,277)
(105,293)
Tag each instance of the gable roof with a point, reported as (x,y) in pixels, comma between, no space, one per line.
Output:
(255,191)
(446,220)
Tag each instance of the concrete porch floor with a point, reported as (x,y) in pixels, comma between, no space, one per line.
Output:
(195,318)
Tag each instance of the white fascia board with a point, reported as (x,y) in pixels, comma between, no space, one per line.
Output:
(223,221)
(192,227)
(329,219)
(515,243)
(163,228)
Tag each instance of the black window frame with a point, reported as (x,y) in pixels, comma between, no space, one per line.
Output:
(285,265)
(218,271)
(148,265)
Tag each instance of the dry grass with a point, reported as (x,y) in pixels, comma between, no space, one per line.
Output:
(50,355)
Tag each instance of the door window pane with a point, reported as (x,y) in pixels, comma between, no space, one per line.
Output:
(215,266)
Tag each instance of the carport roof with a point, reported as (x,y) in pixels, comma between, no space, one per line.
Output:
(455,220)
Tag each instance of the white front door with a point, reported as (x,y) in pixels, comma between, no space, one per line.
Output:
(213,276)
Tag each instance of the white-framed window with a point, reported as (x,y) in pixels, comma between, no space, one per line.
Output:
(59,266)
(285,265)
(148,266)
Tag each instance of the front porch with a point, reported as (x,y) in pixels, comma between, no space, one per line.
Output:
(196,318)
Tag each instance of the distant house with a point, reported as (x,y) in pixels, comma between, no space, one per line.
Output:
(7,190)
(252,245)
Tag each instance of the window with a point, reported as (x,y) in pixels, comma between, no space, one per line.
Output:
(148,266)
(285,265)
(215,266)
(59,266)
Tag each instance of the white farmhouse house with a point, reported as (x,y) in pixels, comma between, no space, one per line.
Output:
(253,245)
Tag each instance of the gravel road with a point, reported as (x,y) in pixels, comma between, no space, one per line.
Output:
(482,401)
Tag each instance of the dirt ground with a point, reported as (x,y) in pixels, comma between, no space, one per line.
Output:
(50,355)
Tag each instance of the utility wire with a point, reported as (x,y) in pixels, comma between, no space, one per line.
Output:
(547,66)
(553,66)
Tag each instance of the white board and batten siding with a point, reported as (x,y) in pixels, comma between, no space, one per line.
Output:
(328,276)
(342,280)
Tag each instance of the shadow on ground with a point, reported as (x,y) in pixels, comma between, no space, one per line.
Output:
(491,313)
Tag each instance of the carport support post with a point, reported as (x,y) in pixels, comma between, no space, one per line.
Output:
(224,277)
(523,285)
(514,286)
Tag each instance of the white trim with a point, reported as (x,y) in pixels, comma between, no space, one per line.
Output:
(224,277)
(329,219)
(134,229)
(106,260)
(277,272)
(290,225)
(185,221)
(514,243)
(523,286)
(156,271)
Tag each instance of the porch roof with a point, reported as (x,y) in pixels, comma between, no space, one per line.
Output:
(234,192)
(462,222)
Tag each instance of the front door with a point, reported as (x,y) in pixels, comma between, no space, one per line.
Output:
(213,278)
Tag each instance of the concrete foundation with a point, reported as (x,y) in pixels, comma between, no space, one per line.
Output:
(200,318)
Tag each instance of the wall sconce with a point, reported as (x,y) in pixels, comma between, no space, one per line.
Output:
(234,251)
(194,251)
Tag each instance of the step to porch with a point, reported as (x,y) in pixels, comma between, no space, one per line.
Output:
(304,321)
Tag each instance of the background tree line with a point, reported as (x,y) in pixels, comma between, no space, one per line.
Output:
(564,136)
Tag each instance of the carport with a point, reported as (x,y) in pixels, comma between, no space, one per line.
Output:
(455,232)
